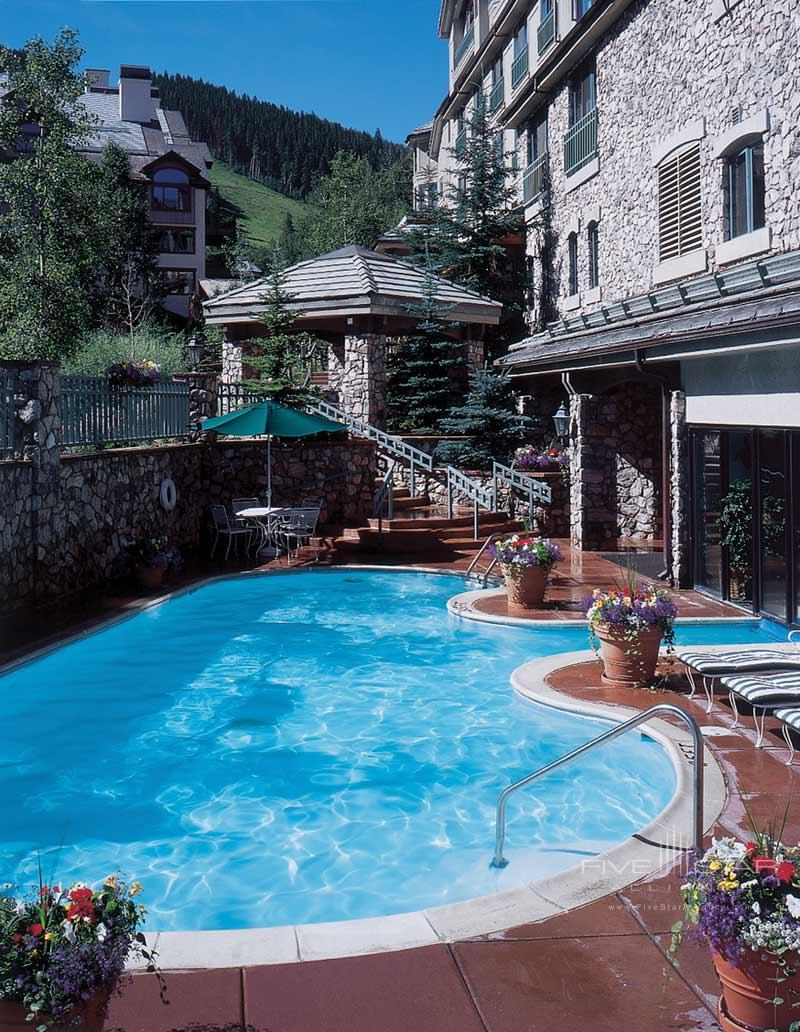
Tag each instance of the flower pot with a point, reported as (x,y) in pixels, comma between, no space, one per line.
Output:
(628,663)
(526,585)
(149,577)
(12,1017)
(748,991)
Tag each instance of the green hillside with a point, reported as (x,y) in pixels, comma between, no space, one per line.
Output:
(260,212)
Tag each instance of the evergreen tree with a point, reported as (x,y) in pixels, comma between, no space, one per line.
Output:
(470,230)
(47,240)
(289,245)
(419,388)
(277,358)
(489,418)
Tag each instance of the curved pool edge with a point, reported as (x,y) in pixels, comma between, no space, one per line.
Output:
(649,850)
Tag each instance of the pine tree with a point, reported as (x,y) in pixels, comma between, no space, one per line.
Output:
(419,388)
(489,418)
(471,228)
(276,358)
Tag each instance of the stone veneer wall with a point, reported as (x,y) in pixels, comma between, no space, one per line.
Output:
(66,519)
(665,64)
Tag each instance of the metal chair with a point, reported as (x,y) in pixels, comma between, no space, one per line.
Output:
(259,533)
(298,525)
(222,528)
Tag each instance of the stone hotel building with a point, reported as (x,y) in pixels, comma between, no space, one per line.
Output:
(655,145)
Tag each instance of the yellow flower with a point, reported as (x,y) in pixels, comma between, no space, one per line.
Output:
(714,865)
(111,881)
(48,936)
(136,888)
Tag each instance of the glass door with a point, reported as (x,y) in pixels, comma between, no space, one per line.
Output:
(737,516)
(772,473)
(707,501)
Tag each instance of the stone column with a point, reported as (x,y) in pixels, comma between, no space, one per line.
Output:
(335,371)
(593,524)
(231,358)
(679,490)
(363,386)
(475,355)
(202,400)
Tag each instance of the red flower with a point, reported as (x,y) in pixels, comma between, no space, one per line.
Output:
(35,929)
(750,847)
(785,871)
(16,937)
(81,895)
(765,865)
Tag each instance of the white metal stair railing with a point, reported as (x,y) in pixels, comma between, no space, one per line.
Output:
(459,484)
(394,446)
(619,729)
(384,497)
(473,570)
(536,490)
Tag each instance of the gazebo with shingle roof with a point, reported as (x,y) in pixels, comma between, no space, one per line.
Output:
(354,299)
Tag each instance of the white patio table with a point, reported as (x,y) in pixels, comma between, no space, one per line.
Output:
(265,517)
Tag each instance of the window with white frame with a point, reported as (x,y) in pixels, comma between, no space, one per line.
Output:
(744,185)
(680,226)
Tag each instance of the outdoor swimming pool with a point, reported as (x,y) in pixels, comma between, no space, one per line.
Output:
(307,747)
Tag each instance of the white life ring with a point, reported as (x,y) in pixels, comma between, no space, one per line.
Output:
(169,494)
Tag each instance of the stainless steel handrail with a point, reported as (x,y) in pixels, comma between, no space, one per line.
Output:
(384,494)
(472,566)
(460,483)
(663,707)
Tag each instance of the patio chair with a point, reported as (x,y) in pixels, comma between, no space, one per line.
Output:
(735,662)
(298,525)
(224,529)
(765,693)
(237,505)
(790,721)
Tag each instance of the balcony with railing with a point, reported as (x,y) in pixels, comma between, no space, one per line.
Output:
(533,179)
(547,30)
(580,143)
(519,69)
(461,142)
(497,95)
(465,46)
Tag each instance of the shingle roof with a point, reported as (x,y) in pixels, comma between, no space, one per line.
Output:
(356,274)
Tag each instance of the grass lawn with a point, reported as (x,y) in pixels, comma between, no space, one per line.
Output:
(261,211)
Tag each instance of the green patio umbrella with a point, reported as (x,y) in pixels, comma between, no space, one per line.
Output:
(269,419)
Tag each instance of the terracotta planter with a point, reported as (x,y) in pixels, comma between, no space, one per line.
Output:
(526,588)
(626,663)
(12,1017)
(149,577)
(747,992)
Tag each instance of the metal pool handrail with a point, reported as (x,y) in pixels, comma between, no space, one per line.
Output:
(663,707)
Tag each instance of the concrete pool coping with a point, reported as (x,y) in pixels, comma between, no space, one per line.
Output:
(649,850)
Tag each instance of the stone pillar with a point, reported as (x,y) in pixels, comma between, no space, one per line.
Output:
(475,355)
(593,523)
(202,400)
(680,566)
(336,371)
(231,358)
(362,390)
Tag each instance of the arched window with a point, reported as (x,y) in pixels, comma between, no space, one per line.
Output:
(573,263)
(171,190)
(594,255)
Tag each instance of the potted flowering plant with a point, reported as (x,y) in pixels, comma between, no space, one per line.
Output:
(526,563)
(626,626)
(141,373)
(63,953)
(744,900)
(151,559)
(530,459)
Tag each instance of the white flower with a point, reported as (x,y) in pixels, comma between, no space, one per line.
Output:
(793,905)
(727,849)
(69,931)
(102,932)
(756,908)
(20,908)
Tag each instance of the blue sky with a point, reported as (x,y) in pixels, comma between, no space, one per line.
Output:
(366,63)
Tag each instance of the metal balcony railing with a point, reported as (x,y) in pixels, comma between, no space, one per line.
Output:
(547,30)
(519,68)
(580,143)
(461,142)
(497,95)
(533,179)
(464,46)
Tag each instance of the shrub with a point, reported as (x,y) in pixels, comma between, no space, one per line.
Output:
(101,349)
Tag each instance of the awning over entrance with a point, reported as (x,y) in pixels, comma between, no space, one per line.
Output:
(751,306)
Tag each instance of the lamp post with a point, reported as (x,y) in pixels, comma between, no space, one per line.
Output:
(194,352)
(561,421)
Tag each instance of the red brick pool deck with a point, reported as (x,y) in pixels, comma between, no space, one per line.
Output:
(602,967)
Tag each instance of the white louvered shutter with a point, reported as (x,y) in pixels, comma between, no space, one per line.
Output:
(680,227)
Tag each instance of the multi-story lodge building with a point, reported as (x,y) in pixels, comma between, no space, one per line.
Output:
(174,167)
(656,149)
(161,153)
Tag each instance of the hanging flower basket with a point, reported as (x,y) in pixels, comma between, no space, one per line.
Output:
(626,626)
(526,563)
(744,901)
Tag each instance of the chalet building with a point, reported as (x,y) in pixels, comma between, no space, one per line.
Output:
(655,145)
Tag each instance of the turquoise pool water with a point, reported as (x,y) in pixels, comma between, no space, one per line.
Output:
(313,747)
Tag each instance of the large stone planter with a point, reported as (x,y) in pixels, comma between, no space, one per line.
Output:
(748,991)
(628,663)
(526,586)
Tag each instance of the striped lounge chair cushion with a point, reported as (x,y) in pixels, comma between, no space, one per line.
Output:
(717,664)
(765,691)
(789,716)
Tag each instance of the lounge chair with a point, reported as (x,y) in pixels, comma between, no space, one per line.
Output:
(790,721)
(765,693)
(733,662)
